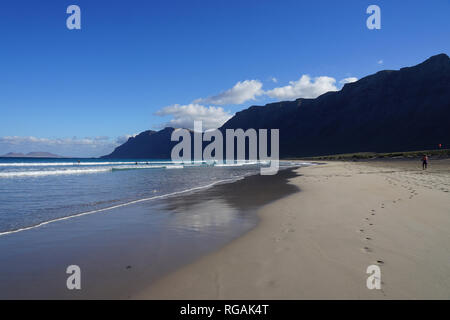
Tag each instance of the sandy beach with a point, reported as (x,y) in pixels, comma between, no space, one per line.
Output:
(318,243)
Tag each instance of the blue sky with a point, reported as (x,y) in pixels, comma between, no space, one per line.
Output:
(139,65)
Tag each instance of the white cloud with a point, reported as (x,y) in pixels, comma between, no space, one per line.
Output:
(240,93)
(76,147)
(305,87)
(348,80)
(184,115)
(16,140)
(380,61)
(124,138)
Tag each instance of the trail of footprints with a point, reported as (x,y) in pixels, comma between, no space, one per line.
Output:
(367,238)
(368,220)
(367,248)
(429,180)
(406,184)
(369,223)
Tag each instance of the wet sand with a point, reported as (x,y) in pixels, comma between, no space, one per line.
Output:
(318,243)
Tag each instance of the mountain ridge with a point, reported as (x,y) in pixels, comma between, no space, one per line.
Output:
(392,110)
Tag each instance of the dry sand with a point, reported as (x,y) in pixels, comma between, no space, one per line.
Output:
(318,243)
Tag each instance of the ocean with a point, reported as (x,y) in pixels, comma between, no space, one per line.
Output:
(34,192)
(124,222)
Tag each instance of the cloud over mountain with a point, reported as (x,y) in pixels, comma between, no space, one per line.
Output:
(183,116)
(348,80)
(305,87)
(241,92)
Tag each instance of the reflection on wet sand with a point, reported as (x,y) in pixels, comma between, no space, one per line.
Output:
(240,199)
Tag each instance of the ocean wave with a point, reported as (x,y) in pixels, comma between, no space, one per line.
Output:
(137,167)
(237,164)
(40,173)
(15,174)
(76,164)
(131,166)
(72,163)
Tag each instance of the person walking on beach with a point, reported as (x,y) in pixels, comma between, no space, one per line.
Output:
(424,162)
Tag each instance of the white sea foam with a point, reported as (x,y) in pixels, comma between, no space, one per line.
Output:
(40,173)
(76,164)
(34,173)
(51,164)
(135,167)
(237,164)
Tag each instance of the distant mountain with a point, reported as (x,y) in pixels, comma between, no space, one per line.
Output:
(148,144)
(31,155)
(403,110)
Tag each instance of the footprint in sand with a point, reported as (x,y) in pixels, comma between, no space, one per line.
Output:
(367,249)
(380,261)
(368,238)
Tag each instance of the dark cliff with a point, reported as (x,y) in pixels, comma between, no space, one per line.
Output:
(401,110)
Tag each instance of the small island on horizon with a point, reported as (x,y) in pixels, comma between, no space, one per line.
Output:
(35,154)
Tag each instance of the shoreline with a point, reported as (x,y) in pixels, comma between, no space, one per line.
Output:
(318,243)
(120,205)
(135,201)
(120,252)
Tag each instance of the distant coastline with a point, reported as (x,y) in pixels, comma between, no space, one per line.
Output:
(37,154)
